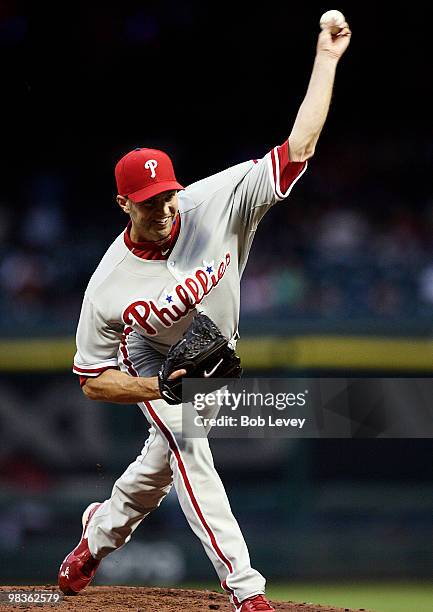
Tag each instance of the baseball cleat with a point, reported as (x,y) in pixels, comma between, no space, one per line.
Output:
(258,603)
(79,567)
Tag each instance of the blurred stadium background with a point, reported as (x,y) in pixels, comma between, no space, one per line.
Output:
(340,280)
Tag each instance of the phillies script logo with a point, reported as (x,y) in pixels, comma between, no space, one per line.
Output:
(188,294)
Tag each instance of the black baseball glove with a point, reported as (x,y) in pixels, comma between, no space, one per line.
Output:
(203,352)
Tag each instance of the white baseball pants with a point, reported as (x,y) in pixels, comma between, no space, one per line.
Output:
(168,459)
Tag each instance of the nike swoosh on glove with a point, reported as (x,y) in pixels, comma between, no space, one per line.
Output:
(203,352)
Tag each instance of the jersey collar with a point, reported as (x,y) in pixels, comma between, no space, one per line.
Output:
(153,250)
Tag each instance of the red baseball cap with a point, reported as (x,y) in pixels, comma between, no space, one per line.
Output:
(143,173)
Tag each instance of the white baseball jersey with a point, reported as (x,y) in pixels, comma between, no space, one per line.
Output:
(134,309)
(129,298)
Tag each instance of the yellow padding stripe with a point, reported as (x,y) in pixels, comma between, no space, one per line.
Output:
(370,353)
(337,352)
(37,354)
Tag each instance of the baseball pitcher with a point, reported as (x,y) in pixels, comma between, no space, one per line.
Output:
(182,253)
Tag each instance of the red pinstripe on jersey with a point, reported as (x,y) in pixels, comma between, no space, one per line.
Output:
(85,373)
(124,350)
(90,371)
(285,173)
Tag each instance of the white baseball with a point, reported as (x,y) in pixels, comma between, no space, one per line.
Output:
(333,20)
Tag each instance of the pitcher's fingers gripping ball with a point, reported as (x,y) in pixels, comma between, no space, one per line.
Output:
(335,35)
(334,20)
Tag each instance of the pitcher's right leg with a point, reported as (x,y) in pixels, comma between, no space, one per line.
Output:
(109,525)
(138,491)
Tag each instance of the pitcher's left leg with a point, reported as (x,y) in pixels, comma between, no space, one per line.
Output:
(205,504)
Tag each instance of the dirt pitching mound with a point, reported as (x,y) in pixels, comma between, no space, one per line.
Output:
(141,599)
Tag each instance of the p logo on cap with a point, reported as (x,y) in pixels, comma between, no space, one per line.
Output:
(151,164)
(137,176)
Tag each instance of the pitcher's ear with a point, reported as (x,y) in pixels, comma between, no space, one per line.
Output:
(123,203)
